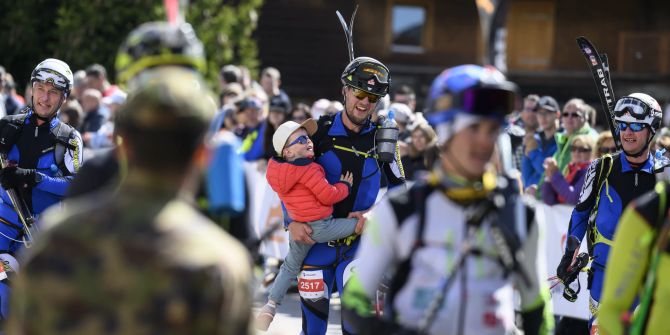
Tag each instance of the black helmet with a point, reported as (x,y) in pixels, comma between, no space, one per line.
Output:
(367,74)
(156,44)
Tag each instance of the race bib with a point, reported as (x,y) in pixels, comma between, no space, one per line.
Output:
(311,285)
(7,264)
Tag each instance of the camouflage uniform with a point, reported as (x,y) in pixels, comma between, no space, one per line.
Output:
(137,260)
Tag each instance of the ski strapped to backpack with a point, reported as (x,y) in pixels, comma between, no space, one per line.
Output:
(593,236)
(579,261)
(599,66)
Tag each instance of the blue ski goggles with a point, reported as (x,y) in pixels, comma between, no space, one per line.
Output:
(634,126)
(636,107)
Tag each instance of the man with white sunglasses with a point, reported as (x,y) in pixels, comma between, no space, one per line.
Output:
(612,182)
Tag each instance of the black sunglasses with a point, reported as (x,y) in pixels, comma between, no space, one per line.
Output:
(580,149)
(571,115)
(607,150)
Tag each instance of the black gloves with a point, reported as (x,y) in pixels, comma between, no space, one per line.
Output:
(16,177)
(567,271)
(562,269)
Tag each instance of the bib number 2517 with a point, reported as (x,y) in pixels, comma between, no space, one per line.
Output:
(311,285)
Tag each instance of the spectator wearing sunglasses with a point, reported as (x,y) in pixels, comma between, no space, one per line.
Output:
(605,144)
(564,189)
(308,196)
(611,183)
(574,122)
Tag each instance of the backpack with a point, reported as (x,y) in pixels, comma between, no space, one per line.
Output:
(61,133)
(504,232)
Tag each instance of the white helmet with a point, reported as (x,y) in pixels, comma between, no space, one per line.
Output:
(639,107)
(56,72)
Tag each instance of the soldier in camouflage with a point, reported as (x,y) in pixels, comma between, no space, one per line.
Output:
(140,259)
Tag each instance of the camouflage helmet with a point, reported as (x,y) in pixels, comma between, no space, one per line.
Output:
(367,74)
(164,120)
(157,44)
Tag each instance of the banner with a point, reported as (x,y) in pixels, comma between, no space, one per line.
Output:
(557,219)
(265,212)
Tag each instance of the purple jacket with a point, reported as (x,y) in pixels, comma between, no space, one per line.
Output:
(559,186)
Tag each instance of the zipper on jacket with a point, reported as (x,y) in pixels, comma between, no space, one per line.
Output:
(635,178)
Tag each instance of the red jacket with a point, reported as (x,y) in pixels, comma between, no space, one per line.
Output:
(304,189)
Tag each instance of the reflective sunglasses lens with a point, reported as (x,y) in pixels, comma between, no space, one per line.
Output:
(370,71)
(301,139)
(361,95)
(635,126)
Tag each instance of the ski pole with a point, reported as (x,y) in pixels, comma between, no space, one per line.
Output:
(26,220)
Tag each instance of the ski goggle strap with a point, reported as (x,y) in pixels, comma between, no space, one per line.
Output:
(367,71)
(485,102)
(636,107)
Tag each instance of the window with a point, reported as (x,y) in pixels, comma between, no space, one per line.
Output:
(408,28)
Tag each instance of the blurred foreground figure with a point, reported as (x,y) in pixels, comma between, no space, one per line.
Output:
(140,260)
(638,268)
(460,242)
